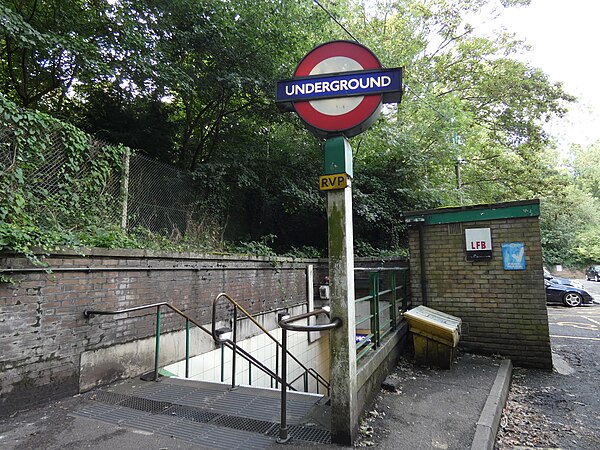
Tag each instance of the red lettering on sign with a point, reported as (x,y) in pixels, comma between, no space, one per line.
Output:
(478,245)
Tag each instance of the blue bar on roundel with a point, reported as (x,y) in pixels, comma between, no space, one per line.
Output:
(345,84)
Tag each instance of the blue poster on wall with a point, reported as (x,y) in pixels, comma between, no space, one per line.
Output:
(513,255)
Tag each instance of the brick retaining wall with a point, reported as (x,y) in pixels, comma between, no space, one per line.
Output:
(47,346)
(43,332)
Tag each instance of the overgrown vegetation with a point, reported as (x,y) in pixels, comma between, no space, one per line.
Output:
(44,203)
(190,84)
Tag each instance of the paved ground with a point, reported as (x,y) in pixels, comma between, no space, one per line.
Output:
(559,409)
(169,414)
(432,409)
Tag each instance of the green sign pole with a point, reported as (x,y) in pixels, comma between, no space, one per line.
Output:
(344,420)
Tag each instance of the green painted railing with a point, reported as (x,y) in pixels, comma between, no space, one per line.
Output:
(239,351)
(384,303)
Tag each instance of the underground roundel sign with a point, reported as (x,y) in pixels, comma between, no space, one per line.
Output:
(338,89)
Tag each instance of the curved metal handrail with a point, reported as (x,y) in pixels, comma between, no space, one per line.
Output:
(286,323)
(247,356)
(92,312)
(316,376)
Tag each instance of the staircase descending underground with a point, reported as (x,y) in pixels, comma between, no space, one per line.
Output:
(215,415)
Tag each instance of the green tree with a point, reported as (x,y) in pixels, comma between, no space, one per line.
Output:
(568,218)
(192,83)
(469,128)
(587,245)
(577,221)
(586,168)
(50,48)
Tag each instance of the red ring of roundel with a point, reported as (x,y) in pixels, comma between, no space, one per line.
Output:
(369,103)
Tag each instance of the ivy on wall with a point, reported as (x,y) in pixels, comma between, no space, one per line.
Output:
(53,178)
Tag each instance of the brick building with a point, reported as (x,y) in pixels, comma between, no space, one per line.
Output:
(502,304)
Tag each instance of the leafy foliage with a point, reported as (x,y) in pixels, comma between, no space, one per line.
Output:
(564,217)
(191,83)
(571,215)
(43,204)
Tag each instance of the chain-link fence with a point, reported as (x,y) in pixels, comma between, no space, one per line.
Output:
(143,193)
(160,197)
(8,153)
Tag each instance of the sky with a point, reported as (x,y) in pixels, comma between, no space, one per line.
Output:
(565,40)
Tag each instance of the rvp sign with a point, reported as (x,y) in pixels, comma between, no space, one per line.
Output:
(478,243)
(332,182)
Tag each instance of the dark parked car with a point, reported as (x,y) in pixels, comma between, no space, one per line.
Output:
(566,295)
(592,273)
(558,280)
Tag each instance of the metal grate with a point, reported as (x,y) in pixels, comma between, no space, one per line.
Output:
(190,413)
(223,423)
(304,433)
(230,439)
(233,403)
(454,229)
(128,401)
(143,404)
(244,424)
(110,398)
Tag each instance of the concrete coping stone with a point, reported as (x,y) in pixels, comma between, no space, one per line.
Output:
(489,420)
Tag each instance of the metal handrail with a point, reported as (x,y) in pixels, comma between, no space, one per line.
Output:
(247,356)
(316,376)
(286,325)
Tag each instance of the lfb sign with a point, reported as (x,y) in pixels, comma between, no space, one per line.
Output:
(338,89)
(479,243)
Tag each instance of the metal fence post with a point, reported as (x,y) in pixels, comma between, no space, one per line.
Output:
(373,325)
(234,326)
(125,189)
(187,348)
(374,288)
(404,290)
(276,366)
(377,315)
(222,362)
(283,431)
(393,311)
(157,348)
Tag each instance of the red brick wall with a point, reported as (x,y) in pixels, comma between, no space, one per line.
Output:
(503,312)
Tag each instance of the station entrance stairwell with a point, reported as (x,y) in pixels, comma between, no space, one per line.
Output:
(215,415)
(220,415)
